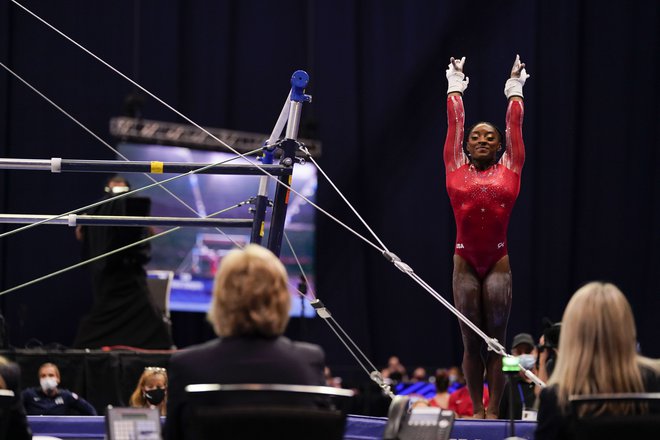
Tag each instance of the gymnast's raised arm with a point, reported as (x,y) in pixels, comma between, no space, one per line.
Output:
(457,83)
(514,156)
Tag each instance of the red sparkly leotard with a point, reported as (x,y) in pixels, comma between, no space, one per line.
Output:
(482,200)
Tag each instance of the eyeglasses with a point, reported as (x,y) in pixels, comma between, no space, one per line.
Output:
(155,369)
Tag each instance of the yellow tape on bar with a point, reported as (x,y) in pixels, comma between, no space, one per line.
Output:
(261,231)
(156,167)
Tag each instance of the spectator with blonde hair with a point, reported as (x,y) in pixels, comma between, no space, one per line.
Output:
(151,390)
(249,312)
(48,399)
(596,355)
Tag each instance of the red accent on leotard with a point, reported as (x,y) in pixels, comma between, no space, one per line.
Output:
(482,200)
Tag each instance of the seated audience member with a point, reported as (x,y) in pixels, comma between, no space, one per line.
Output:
(13,422)
(48,399)
(395,372)
(249,312)
(441,398)
(419,375)
(151,390)
(523,388)
(461,403)
(597,355)
(456,378)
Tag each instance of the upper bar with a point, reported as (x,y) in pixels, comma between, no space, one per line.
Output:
(115,166)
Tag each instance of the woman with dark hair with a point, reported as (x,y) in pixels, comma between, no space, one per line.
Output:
(596,355)
(483,181)
(441,398)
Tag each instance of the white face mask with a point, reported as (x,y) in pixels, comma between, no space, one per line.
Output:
(527,361)
(48,383)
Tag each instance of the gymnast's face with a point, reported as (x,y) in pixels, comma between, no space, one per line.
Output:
(483,143)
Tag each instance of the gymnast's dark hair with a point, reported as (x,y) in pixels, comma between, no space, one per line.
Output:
(499,132)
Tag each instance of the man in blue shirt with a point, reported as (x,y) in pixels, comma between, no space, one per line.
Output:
(48,399)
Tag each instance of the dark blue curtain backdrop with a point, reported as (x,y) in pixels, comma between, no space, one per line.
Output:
(589,207)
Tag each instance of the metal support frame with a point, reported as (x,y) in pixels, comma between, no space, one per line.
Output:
(261,201)
(289,146)
(282,171)
(281,200)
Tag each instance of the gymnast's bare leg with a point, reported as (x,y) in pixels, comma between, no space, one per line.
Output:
(487,304)
(496,295)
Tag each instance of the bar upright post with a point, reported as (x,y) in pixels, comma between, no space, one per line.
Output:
(289,146)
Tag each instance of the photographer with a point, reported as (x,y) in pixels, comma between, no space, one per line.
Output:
(519,394)
(547,349)
(122,312)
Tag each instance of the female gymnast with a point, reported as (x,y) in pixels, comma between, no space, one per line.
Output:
(483,181)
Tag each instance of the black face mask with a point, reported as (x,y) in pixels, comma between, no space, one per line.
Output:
(155,396)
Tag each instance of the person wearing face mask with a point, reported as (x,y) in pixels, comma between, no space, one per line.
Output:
(523,389)
(456,378)
(151,390)
(49,399)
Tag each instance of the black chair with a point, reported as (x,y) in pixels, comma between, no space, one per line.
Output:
(640,425)
(263,411)
(7,398)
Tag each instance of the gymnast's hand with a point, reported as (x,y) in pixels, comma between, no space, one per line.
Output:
(518,70)
(456,79)
(456,65)
(513,88)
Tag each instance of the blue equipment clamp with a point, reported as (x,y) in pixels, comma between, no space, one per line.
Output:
(299,81)
(268,155)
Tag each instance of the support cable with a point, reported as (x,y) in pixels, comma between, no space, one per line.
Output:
(309,156)
(323,312)
(302,271)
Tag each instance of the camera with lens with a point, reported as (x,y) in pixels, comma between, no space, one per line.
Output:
(550,335)
(551,332)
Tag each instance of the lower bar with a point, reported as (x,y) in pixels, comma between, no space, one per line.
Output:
(108,220)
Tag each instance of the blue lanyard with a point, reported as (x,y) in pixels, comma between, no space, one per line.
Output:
(522,396)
